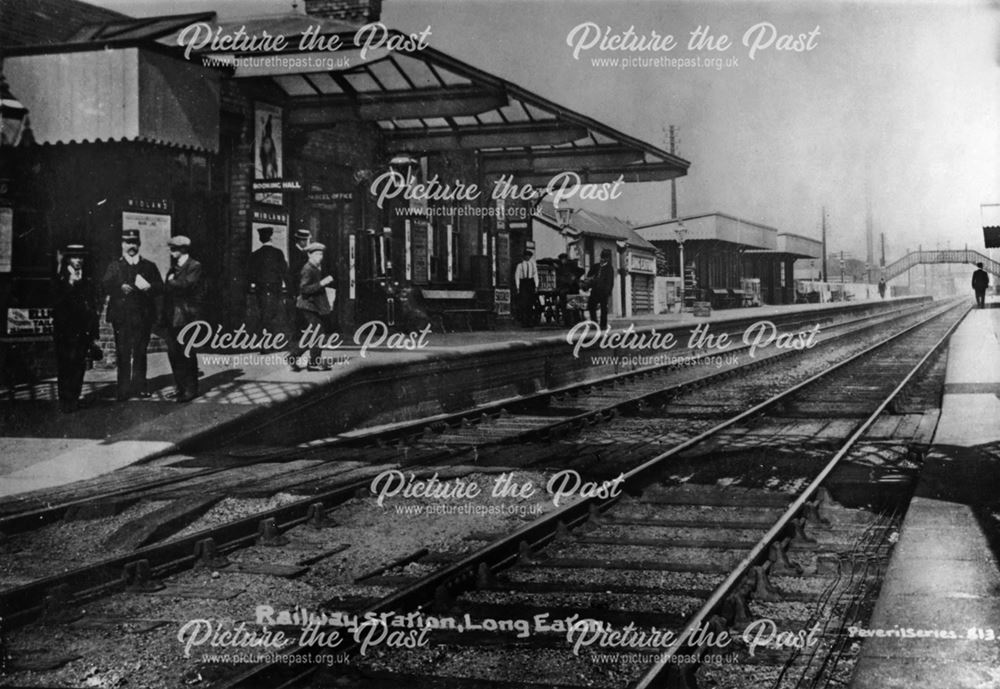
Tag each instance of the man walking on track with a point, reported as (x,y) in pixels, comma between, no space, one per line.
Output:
(132,284)
(980,281)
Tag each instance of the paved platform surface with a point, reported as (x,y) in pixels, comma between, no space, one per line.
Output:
(942,587)
(42,448)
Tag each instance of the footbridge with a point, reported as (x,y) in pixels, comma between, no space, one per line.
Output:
(964,256)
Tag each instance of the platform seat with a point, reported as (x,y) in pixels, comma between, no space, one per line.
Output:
(740,297)
(720,298)
(462,307)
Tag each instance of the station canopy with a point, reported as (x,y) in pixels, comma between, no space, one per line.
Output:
(423,100)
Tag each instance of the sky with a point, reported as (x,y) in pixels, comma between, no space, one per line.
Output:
(891,109)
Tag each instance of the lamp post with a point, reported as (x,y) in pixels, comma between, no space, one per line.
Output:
(622,246)
(681,233)
(564,215)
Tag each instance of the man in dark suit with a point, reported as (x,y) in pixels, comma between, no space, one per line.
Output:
(980,281)
(602,284)
(268,271)
(132,284)
(182,300)
(296,259)
(313,306)
(75,321)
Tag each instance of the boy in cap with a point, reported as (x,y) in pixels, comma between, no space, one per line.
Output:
(312,306)
(183,295)
(132,284)
(75,320)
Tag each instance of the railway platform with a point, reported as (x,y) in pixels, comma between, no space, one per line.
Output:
(41,448)
(937,620)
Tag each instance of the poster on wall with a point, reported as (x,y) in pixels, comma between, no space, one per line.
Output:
(268,149)
(270,224)
(154,233)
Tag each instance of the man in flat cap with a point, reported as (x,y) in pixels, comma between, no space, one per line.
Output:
(313,306)
(602,284)
(182,300)
(132,284)
(75,321)
(268,271)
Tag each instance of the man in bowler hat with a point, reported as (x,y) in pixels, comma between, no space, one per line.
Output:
(980,281)
(75,320)
(602,284)
(268,271)
(132,284)
(182,299)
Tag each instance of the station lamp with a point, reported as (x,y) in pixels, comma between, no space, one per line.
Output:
(681,233)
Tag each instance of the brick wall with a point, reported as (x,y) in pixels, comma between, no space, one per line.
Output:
(237,146)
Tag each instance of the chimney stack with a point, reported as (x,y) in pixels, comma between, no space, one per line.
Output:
(350,11)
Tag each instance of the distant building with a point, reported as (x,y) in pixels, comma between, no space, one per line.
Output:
(720,251)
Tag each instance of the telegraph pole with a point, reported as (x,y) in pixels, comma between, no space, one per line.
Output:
(673,181)
(824,243)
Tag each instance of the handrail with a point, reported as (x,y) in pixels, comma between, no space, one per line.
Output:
(964,256)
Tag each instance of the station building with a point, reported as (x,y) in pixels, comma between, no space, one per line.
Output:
(128,132)
(583,234)
(726,256)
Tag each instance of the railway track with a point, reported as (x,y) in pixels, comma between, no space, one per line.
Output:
(400,579)
(486,424)
(678,540)
(437,444)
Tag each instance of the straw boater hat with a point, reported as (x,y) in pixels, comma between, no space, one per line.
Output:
(301,234)
(75,250)
(315,246)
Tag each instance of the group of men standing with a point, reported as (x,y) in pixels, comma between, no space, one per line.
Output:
(133,284)
(600,281)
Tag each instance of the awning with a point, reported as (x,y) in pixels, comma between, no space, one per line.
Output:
(422,99)
(792,246)
(125,94)
(712,226)
(426,101)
